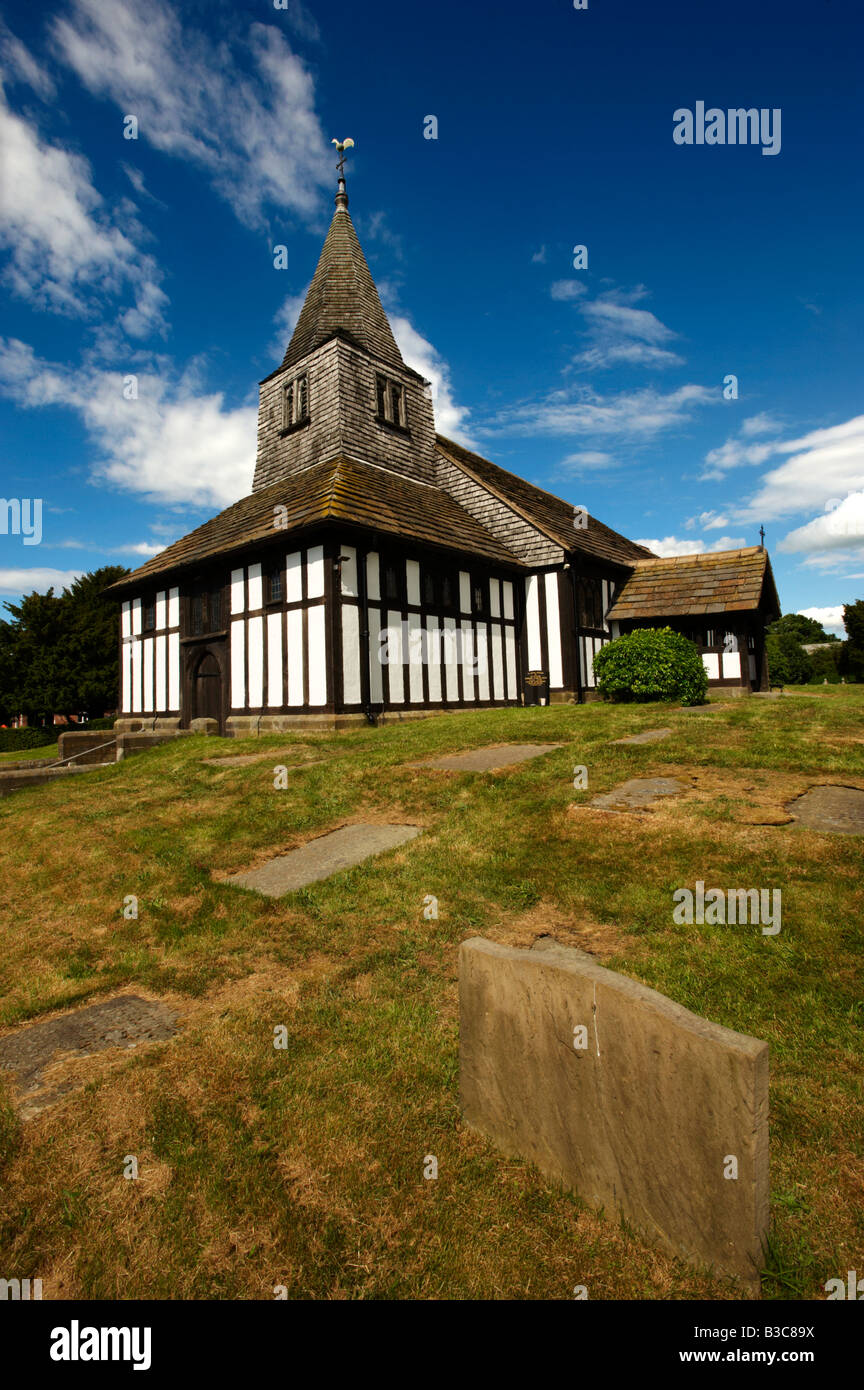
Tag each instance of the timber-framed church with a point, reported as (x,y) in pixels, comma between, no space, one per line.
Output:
(378,570)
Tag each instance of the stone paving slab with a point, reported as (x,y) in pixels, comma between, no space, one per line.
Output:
(28,1053)
(319,859)
(647,736)
(834,810)
(489,759)
(242,759)
(637,794)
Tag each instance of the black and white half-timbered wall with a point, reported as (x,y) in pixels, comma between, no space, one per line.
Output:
(380,571)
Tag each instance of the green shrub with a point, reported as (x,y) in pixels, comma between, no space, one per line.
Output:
(651,664)
(11,740)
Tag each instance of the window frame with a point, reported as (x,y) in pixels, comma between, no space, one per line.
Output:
(295,394)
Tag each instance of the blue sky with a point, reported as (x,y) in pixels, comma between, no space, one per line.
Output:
(153,258)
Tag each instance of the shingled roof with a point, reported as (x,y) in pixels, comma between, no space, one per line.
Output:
(726,581)
(548,513)
(341,489)
(342,300)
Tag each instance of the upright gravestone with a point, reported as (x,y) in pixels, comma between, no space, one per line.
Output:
(619,1093)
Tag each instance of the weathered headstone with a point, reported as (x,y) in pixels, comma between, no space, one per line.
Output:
(621,1094)
(328,854)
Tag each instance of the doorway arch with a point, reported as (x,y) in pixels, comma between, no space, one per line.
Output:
(207,702)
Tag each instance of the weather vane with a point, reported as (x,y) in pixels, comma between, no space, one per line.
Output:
(342,146)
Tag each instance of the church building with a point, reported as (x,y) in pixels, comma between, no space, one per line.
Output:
(378,570)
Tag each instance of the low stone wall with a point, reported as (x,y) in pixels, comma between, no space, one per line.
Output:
(14,781)
(617,1092)
(88,746)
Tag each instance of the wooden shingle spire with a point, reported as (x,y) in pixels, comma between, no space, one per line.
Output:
(342,300)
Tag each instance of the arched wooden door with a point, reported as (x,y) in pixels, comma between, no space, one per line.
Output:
(207,690)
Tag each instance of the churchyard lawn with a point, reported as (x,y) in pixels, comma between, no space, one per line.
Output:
(301,1167)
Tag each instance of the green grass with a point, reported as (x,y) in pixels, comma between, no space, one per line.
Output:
(304,1166)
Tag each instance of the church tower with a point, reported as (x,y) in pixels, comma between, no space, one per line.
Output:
(343,388)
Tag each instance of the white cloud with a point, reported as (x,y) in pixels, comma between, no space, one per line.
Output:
(244,111)
(824,464)
(173,444)
(839,527)
(539,257)
(764,423)
(671,545)
(418,352)
(707,521)
(21,66)
(285,319)
(634,414)
(588,460)
(67,251)
(567,289)
(26,581)
(830,618)
(618,334)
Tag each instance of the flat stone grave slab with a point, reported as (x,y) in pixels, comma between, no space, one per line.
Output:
(637,794)
(329,854)
(489,759)
(621,1094)
(242,759)
(647,736)
(835,810)
(37,1050)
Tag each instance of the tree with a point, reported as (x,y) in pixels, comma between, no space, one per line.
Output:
(825,663)
(852,656)
(788,663)
(59,653)
(802,628)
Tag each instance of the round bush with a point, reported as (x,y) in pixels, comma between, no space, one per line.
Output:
(651,664)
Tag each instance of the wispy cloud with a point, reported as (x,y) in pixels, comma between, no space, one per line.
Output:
(587,461)
(241,110)
(672,545)
(19,65)
(621,335)
(68,252)
(707,521)
(567,289)
(583,411)
(819,468)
